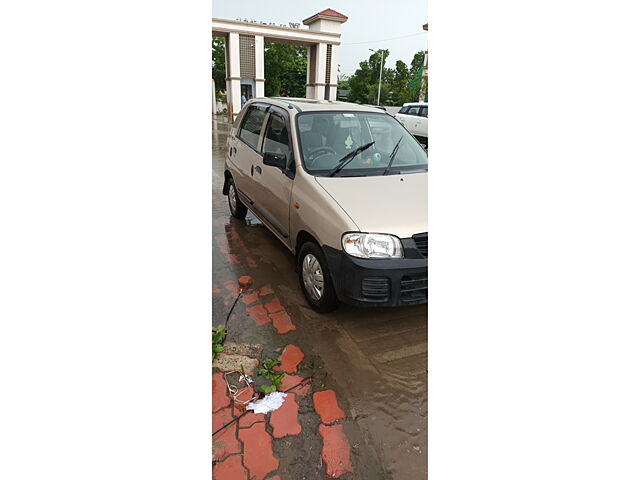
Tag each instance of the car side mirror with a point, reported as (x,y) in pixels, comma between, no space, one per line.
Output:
(275,160)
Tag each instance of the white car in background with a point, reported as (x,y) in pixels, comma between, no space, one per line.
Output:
(414,117)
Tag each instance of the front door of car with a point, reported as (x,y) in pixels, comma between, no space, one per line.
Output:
(246,154)
(275,184)
(413,122)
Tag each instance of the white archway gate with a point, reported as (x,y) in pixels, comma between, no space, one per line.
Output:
(244,47)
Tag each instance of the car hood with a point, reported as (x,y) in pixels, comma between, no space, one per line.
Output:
(395,204)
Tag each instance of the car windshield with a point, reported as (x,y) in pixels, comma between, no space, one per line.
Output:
(328,141)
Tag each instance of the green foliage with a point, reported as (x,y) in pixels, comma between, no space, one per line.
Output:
(218,68)
(274,377)
(363,84)
(217,335)
(285,70)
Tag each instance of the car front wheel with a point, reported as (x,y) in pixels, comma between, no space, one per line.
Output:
(315,279)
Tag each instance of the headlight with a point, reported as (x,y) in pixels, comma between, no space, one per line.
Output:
(372,245)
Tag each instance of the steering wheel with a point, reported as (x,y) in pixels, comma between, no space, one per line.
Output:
(313,154)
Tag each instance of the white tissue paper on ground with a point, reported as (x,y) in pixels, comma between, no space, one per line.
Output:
(271,402)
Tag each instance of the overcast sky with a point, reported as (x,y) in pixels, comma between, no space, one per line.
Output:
(371,24)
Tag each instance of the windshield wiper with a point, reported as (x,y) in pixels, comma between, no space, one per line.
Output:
(344,161)
(392,156)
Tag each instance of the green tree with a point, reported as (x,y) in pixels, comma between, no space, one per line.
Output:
(417,61)
(218,67)
(285,70)
(359,83)
(363,80)
(399,92)
(364,83)
(343,79)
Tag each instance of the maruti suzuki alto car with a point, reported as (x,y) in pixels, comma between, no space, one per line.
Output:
(344,188)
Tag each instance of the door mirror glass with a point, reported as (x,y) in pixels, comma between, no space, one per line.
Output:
(275,160)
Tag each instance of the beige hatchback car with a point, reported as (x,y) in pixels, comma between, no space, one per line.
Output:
(344,188)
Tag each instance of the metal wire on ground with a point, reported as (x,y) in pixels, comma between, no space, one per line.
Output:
(235,419)
(232,307)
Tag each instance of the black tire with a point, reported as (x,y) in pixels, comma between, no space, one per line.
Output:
(328,300)
(237,208)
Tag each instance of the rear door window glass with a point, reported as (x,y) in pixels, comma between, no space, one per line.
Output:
(251,126)
(413,110)
(424,112)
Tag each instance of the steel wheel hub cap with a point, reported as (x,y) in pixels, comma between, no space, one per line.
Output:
(232,197)
(312,276)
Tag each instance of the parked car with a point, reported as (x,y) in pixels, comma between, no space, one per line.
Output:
(379,107)
(415,117)
(344,188)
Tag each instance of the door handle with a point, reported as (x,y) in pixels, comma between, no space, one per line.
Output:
(258,169)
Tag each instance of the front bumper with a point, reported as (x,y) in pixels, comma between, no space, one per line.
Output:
(379,282)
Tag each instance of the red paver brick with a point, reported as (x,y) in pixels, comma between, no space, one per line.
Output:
(335,450)
(249,298)
(236,239)
(225,442)
(290,358)
(284,420)
(220,398)
(232,288)
(221,417)
(251,262)
(282,322)
(233,258)
(245,281)
(266,290)
(274,306)
(291,380)
(326,406)
(258,451)
(233,235)
(249,419)
(230,469)
(259,314)
(216,289)
(246,393)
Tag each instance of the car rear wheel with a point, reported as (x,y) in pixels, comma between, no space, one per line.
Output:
(315,279)
(237,208)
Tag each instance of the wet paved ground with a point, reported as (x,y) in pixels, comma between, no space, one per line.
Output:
(374,359)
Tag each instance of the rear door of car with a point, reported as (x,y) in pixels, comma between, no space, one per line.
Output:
(273,185)
(245,151)
(422,126)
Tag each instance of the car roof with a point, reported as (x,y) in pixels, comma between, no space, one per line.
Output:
(309,104)
(415,104)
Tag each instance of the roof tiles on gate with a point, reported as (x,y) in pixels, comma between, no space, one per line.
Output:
(331,13)
(328,12)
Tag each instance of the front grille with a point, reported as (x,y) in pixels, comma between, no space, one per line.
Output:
(375,288)
(413,288)
(421,240)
